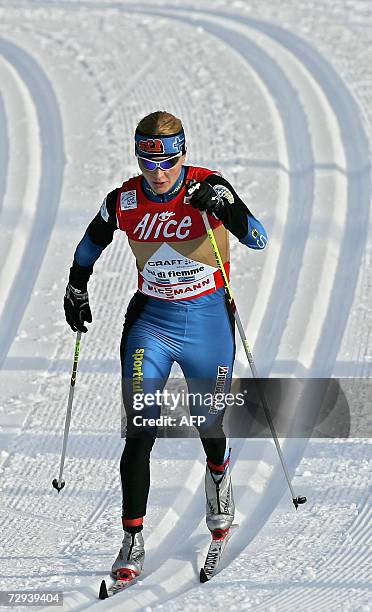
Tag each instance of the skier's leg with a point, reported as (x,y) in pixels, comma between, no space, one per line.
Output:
(207,364)
(216,448)
(146,364)
(135,480)
(140,438)
(208,370)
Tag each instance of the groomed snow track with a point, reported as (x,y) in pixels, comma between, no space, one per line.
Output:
(324,182)
(32,192)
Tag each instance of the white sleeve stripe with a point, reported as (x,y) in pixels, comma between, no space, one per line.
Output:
(104,211)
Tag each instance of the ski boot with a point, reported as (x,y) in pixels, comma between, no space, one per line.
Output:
(220,508)
(129,562)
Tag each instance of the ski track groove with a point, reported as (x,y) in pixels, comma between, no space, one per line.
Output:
(4,152)
(51,132)
(258,510)
(175,547)
(168,540)
(23,175)
(358,171)
(320,262)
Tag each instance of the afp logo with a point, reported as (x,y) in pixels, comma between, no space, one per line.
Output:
(151,145)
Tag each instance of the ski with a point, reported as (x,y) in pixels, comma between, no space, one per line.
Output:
(220,538)
(125,580)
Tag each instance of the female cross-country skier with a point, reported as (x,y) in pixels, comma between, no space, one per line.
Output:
(178,314)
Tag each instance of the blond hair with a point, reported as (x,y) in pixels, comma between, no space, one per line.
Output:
(159,123)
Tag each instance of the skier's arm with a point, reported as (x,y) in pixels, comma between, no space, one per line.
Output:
(236,216)
(98,236)
(218,197)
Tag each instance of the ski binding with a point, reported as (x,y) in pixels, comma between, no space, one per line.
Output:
(124,579)
(220,538)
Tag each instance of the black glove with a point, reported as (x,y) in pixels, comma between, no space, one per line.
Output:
(77,309)
(201,195)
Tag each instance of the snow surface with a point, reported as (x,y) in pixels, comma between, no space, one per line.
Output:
(276,96)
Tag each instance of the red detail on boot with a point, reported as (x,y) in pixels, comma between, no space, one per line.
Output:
(132,522)
(219,468)
(220,534)
(126,574)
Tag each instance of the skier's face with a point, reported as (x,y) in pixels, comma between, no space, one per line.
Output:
(159,180)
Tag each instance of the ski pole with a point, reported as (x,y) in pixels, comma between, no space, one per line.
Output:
(296,500)
(59,484)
